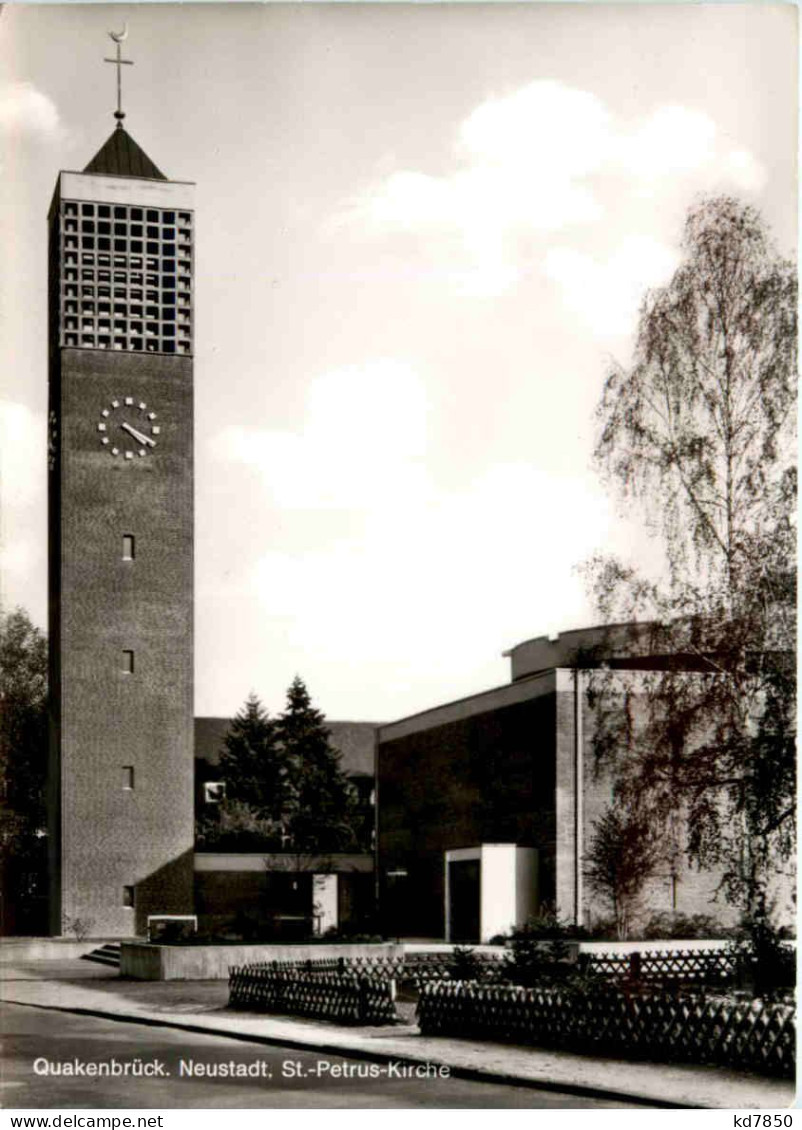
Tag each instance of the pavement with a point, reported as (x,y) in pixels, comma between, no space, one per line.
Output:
(202,1006)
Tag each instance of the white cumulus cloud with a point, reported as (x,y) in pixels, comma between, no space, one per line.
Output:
(606,294)
(22,509)
(21,432)
(362,442)
(24,109)
(547,159)
(745,170)
(674,140)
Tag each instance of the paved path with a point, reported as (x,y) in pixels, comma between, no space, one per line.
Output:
(201,1007)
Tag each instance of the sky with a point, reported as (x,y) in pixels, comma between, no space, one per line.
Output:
(423,234)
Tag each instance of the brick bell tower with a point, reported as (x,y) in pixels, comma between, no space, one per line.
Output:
(121,253)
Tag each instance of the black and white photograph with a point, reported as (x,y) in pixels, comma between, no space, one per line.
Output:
(398,435)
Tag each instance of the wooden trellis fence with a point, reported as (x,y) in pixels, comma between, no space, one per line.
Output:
(418,967)
(349,998)
(754,1036)
(653,968)
(690,967)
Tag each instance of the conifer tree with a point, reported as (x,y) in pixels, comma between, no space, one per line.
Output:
(255,766)
(324,802)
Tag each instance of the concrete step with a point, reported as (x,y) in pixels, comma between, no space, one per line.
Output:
(107,954)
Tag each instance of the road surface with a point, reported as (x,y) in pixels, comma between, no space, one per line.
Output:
(183,1070)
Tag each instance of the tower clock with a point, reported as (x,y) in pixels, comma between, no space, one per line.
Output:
(120,539)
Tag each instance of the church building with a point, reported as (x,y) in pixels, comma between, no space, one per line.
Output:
(121,252)
(488,805)
(483,808)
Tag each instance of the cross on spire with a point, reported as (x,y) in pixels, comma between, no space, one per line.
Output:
(119,62)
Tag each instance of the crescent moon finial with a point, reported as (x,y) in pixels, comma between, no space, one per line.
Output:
(119,36)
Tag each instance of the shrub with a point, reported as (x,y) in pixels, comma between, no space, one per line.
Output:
(546,925)
(465,966)
(80,927)
(667,924)
(345,934)
(761,955)
(539,950)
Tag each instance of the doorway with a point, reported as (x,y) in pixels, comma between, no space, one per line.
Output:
(464,887)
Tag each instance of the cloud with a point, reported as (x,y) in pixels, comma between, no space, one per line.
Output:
(23,522)
(547,159)
(418,561)
(606,294)
(24,109)
(674,140)
(521,157)
(21,432)
(545,129)
(450,553)
(404,561)
(362,442)
(746,172)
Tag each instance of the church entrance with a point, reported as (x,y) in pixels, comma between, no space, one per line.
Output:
(464,887)
(489,889)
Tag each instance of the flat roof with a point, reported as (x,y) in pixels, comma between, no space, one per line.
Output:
(508,694)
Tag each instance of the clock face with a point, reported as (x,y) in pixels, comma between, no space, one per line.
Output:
(128,428)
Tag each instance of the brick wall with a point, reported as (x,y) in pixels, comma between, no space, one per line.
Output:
(687,890)
(111,837)
(487,777)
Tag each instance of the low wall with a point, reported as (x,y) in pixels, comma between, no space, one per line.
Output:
(653,945)
(14,951)
(146,962)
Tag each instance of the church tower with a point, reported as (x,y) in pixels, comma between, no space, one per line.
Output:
(121,311)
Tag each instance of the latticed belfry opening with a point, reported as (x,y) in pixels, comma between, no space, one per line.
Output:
(126,277)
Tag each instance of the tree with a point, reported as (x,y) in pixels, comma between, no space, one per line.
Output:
(324,813)
(23,772)
(623,854)
(701,430)
(235,825)
(285,789)
(256,769)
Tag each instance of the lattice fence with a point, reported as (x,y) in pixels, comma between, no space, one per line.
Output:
(348,998)
(755,1036)
(419,968)
(688,967)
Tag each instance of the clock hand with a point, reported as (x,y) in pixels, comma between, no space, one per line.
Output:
(138,435)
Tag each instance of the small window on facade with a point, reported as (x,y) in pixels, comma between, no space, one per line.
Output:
(128,896)
(214,792)
(128,547)
(128,662)
(128,776)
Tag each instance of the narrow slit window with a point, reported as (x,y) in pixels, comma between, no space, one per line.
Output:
(128,662)
(128,777)
(128,896)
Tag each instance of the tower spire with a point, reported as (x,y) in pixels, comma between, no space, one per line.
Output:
(118,37)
